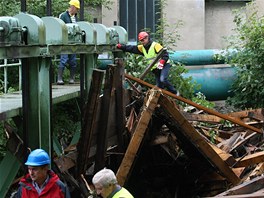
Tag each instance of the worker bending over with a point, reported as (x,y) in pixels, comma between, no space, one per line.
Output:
(149,49)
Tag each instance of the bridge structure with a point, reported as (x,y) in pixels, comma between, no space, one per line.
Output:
(35,41)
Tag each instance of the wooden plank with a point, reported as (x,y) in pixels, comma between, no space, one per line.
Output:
(202,117)
(247,137)
(137,137)
(228,158)
(104,119)
(226,145)
(210,111)
(245,188)
(257,114)
(257,195)
(199,141)
(88,121)
(250,159)
(120,103)
(258,171)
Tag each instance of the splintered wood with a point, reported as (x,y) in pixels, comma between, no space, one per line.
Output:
(212,151)
(230,143)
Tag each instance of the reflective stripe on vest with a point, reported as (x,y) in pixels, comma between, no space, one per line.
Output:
(151,54)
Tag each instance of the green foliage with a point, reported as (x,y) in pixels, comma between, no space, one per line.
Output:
(213,135)
(184,85)
(248,43)
(39,7)
(9,8)
(3,140)
(66,120)
(201,100)
(12,78)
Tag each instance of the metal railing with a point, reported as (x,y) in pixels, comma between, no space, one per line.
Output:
(5,65)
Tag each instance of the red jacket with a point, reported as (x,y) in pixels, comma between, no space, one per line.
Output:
(55,188)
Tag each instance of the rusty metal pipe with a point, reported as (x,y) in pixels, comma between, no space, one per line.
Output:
(210,111)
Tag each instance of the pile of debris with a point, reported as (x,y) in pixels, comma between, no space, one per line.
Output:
(157,149)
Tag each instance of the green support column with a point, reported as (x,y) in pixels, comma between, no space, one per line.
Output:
(90,61)
(45,104)
(36,102)
(30,99)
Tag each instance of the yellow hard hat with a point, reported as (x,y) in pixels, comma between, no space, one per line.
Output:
(75,3)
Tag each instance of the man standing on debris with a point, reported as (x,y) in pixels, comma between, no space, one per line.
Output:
(40,180)
(69,16)
(105,184)
(150,49)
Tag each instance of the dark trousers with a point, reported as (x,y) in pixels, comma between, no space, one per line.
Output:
(162,81)
(68,58)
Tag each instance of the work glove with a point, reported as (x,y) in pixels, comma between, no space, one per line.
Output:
(160,64)
(119,46)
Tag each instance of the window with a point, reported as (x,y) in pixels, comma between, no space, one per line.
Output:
(136,15)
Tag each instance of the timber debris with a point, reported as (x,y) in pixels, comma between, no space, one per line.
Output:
(153,143)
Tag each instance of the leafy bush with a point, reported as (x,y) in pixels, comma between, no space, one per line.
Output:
(3,140)
(248,44)
(66,120)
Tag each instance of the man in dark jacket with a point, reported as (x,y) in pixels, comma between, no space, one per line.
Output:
(40,180)
(69,16)
(149,49)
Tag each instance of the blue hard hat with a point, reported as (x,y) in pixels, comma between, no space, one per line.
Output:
(38,157)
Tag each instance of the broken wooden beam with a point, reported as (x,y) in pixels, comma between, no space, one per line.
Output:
(236,121)
(101,142)
(250,159)
(137,137)
(246,189)
(88,122)
(198,141)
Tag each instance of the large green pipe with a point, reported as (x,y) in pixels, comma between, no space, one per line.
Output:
(215,82)
(200,57)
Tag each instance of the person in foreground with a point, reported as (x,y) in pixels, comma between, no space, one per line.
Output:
(149,49)
(40,180)
(105,184)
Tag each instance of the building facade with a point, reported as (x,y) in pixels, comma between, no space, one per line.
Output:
(205,22)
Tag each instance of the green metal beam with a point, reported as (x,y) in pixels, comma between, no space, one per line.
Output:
(90,60)
(37,102)
(45,104)
(8,169)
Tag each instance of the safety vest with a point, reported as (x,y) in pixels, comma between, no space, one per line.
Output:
(151,54)
(123,193)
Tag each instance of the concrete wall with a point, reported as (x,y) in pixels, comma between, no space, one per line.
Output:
(110,16)
(206,22)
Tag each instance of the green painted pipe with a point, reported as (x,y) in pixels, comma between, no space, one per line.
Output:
(200,57)
(215,82)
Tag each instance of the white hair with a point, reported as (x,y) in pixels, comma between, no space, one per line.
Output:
(104,177)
